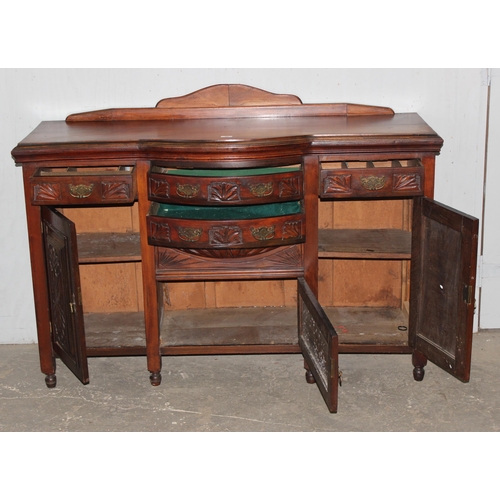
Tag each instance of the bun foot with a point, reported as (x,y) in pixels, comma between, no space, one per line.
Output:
(418,373)
(50,381)
(155,378)
(310,377)
(419,361)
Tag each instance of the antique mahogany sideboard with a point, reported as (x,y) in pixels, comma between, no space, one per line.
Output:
(234,220)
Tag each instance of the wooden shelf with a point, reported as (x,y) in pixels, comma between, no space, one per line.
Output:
(230,326)
(244,330)
(274,329)
(108,247)
(109,334)
(364,244)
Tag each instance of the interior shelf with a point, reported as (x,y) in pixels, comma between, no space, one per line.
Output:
(109,247)
(360,329)
(115,333)
(230,326)
(364,244)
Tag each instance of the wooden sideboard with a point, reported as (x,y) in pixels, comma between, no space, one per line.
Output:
(233,220)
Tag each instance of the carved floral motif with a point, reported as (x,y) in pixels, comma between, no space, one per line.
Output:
(289,187)
(406,182)
(223,191)
(159,188)
(225,235)
(292,230)
(159,231)
(115,191)
(337,184)
(315,343)
(47,191)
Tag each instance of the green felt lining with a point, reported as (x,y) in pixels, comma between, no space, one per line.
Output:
(226,213)
(236,172)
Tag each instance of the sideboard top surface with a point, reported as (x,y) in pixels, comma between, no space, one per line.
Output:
(292,129)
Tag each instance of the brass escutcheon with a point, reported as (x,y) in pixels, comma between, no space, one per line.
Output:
(261,190)
(373,183)
(187,190)
(81,190)
(189,233)
(263,233)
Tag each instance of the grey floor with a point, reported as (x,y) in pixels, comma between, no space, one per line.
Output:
(249,393)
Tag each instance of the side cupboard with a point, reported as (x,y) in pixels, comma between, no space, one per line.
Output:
(234,220)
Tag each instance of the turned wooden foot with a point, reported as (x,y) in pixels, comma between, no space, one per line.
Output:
(310,377)
(419,361)
(51,380)
(155,378)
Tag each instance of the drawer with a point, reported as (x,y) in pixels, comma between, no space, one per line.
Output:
(366,179)
(178,226)
(225,187)
(83,186)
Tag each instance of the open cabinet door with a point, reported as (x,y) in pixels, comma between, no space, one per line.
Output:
(319,343)
(63,278)
(443,280)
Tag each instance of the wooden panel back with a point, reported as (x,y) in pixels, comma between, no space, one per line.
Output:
(364,283)
(113,287)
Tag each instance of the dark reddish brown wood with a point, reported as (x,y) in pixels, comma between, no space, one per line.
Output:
(225,234)
(399,182)
(280,262)
(240,127)
(319,343)
(39,277)
(443,268)
(151,303)
(60,187)
(311,168)
(65,304)
(429,163)
(221,96)
(167,186)
(229,101)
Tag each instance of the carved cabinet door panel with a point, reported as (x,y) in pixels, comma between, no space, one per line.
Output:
(63,278)
(443,281)
(319,343)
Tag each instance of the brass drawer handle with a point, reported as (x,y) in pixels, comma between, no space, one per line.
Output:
(189,234)
(373,183)
(262,190)
(263,233)
(188,190)
(81,190)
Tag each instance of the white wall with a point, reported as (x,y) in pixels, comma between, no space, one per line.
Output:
(490,265)
(453,102)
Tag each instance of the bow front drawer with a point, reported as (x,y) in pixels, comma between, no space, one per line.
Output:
(178,226)
(83,186)
(225,186)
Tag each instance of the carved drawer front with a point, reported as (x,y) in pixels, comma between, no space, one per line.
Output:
(366,179)
(218,228)
(83,186)
(225,187)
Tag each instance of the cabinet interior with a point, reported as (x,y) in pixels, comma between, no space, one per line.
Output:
(364,269)
(111,276)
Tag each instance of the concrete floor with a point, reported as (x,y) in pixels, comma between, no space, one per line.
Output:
(249,393)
